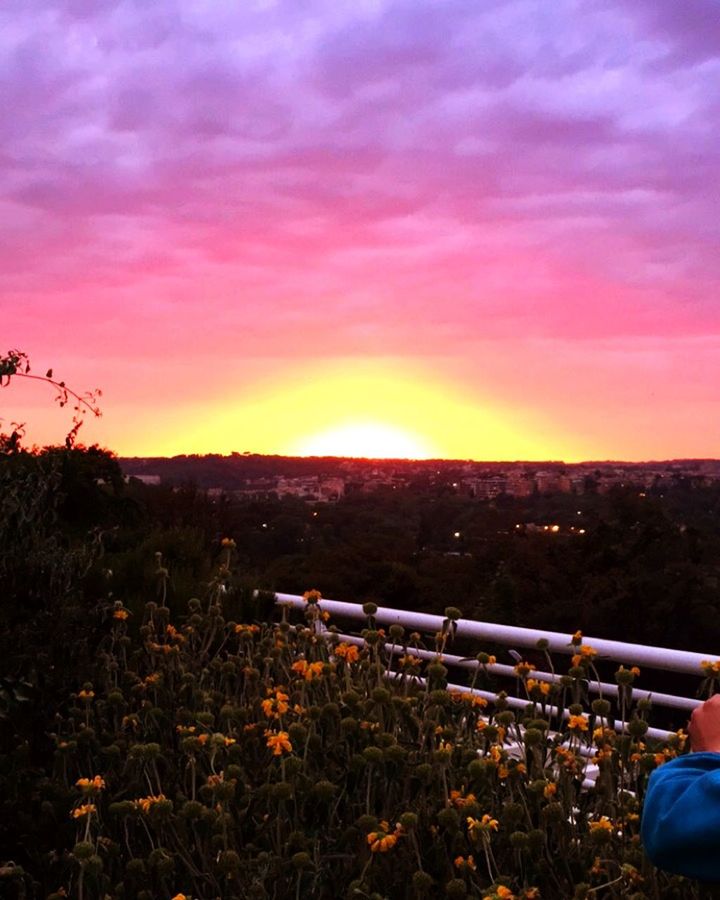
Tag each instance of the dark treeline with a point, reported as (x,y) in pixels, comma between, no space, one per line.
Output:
(233,471)
(626,565)
(646,568)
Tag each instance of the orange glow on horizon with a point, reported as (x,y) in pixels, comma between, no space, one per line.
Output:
(355,407)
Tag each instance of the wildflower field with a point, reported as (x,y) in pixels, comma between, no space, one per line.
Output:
(211,758)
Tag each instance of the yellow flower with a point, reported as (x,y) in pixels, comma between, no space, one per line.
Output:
(312,597)
(348,652)
(228,543)
(476,827)
(310,670)
(469,697)
(89,785)
(567,758)
(458,800)
(276,706)
(84,809)
(542,686)
(121,614)
(550,790)
(247,629)
(179,897)
(626,676)
(578,723)
(86,695)
(524,668)
(410,662)
(664,756)
(496,753)
(461,862)
(601,824)
(279,743)
(147,803)
(381,841)
(585,654)
(576,638)
(229,741)
(500,893)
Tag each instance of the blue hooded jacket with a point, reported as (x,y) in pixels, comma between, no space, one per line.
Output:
(681,816)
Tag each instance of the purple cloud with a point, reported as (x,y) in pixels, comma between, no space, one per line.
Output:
(358,168)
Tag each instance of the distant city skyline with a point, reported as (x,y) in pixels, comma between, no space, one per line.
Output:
(450,229)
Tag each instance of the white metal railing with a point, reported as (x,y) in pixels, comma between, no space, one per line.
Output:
(660,658)
(510,635)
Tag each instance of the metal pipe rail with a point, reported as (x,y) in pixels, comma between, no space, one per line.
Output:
(595,687)
(510,635)
(491,696)
(654,657)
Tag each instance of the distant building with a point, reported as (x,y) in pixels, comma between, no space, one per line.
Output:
(520,485)
(487,488)
(547,482)
(146,479)
(312,488)
(331,489)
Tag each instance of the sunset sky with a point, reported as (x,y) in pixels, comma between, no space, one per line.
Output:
(460,228)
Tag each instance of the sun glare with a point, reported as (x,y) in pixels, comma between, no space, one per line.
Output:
(371,440)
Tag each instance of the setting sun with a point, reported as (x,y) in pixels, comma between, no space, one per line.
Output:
(372,440)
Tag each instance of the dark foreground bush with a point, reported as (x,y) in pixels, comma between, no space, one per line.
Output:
(215,759)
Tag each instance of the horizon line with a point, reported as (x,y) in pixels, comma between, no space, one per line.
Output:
(432,459)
